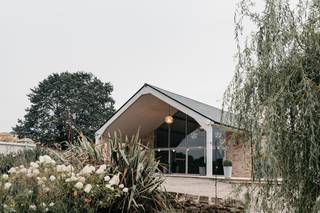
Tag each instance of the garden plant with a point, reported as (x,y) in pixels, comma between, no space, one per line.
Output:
(87,178)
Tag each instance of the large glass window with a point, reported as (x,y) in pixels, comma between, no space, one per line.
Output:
(161,139)
(178,161)
(178,131)
(197,138)
(217,159)
(218,151)
(197,161)
(183,144)
(163,157)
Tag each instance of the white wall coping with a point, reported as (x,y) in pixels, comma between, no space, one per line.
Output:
(222,178)
(17,144)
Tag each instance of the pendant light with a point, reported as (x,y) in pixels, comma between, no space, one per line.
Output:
(168,119)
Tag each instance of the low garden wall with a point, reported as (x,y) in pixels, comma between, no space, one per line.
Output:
(9,147)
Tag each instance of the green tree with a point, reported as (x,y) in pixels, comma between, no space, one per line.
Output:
(63,103)
(275,96)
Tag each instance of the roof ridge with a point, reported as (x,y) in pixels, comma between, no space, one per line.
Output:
(150,85)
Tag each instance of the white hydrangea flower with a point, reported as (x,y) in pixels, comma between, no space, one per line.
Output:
(32,207)
(81,179)
(69,168)
(88,188)
(7,185)
(34,165)
(79,185)
(73,178)
(51,204)
(101,169)
(29,174)
(35,172)
(64,168)
(60,168)
(52,178)
(12,170)
(125,190)
(121,186)
(106,178)
(23,170)
(5,177)
(46,159)
(115,180)
(87,170)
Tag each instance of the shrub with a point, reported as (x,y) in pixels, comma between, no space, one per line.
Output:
(20,158)
(135,165)
(127,180)
(139,171)
(83,152)
(227,163)
(44,186)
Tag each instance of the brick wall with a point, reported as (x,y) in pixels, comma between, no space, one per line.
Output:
(239,152)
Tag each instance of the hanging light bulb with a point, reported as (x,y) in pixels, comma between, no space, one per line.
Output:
(168,119)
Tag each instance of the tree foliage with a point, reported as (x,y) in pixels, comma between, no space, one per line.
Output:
(275,95)
(64,102)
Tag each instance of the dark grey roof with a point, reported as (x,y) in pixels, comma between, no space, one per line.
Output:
(210,112)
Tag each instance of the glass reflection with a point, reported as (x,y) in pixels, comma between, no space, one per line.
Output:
(181,145)
(217,159)
(178,161)
(163,157)
(196,161)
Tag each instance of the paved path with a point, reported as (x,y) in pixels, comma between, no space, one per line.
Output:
(202,187)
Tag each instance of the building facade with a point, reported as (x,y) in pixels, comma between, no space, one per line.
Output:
(187,136)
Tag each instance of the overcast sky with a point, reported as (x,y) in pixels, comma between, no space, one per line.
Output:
(183,46)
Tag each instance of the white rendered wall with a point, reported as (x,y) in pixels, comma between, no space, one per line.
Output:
(9,147)
(209,140)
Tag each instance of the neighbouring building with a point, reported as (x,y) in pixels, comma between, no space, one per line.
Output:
(187,136)
(11,143)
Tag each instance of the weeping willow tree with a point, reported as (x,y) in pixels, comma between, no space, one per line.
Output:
(275,97)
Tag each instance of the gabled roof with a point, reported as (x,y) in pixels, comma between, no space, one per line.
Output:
(200,111)
(210,112)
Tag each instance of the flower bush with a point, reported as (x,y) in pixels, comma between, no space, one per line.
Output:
(45,186)
(23,157)
(87,178)
(134,165)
